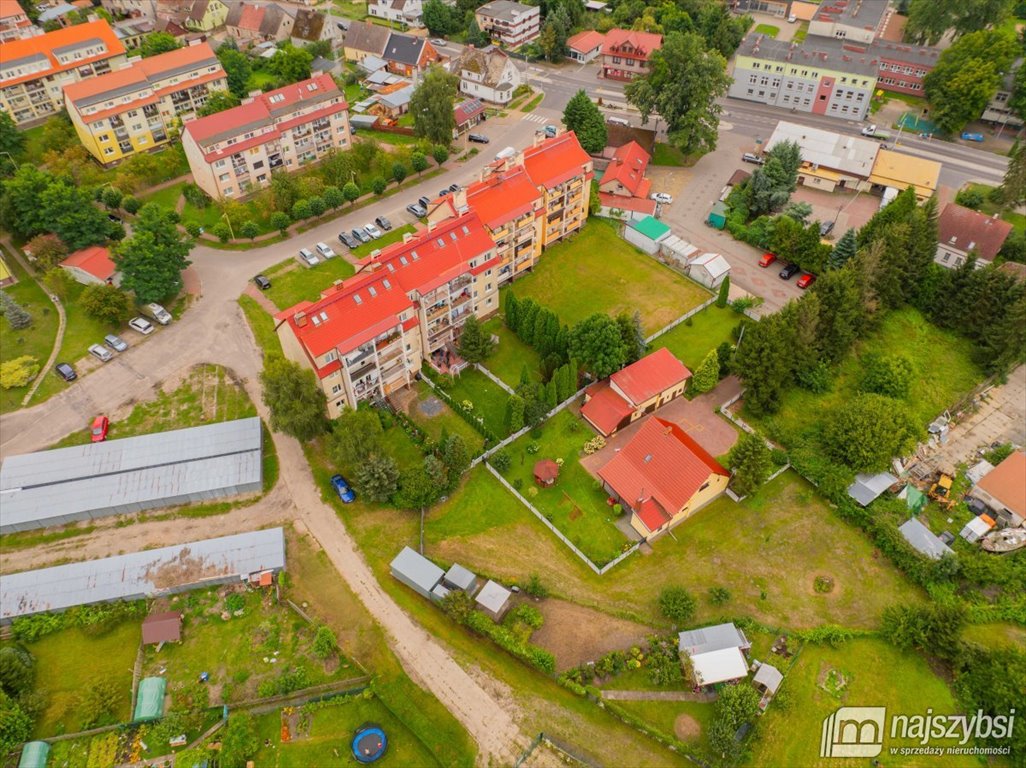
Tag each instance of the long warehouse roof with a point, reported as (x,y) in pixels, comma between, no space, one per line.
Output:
(142,574)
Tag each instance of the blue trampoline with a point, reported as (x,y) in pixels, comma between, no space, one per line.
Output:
(369,743)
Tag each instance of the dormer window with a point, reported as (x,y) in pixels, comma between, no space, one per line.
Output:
(372,291)
(388,285)
(403,261)
(357,298)
(441,242)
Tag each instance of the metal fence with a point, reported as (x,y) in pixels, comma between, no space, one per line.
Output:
(495,379)
(568,752)
(691,313)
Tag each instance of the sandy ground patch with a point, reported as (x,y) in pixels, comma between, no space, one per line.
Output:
(575,634)
(687,728)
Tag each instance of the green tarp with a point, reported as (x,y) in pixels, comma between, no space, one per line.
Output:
(915,498)
(149,703)
(34,754)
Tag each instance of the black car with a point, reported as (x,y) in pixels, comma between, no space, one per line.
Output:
(262,282)
(361,234)
(384,223)
(424,202)
(454,187)
(66,372)
(825,228)
(789,271)
(478,138)
(348,240)
(417,210)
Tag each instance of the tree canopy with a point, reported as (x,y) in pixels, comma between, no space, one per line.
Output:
(596,344)
(151,261)
(295,399)
(583,117)
(158,42)
(291,64)
(237,67)
(431,106)
(218,101)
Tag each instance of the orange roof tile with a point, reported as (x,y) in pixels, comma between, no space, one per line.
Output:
(502,197)
(628,167)
(9,8)
(586,41)
(969,230)
(652,374)
(643,42)
(605,409)
(556,160)
(1007,483)
(47,43)
(638,204)
(95,260)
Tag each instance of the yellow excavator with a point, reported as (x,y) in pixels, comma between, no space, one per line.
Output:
(941,491)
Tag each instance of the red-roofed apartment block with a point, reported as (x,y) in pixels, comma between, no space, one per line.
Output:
(14,22)
(662,476)
(33,70)
(234,152)
(133,109)
(369,335)
(92,266)
(632,392)
(626,53)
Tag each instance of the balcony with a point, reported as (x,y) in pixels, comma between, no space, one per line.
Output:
(364,369)
(439,329)
(364,353)
(460,282)
(437,311)
(460,300)
(366,389)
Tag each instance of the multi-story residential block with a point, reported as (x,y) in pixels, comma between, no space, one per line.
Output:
(857,21)
(997,110)
(368,336)
(821,76)
(903,67)
(195,15)
(254,22)
(626,53)
(133,109)
(34,70)
(234,152)
(399,11)
(15,23)
(512,24)
(487,74)
(562,171)
(961,231)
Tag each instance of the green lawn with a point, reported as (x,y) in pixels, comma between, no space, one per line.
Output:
(663,715)
(167,197)
(291,282)
(576,504)
(35,341)
(446,420)
(667,154)
(399,139)
(876,674)
(258,79)
(597,271)
(1017,220)
(387,238)
(533,103)
(767,29)
(935,387)
(261,324)
(511,355)
(70,661)
(489,398)
(707,330)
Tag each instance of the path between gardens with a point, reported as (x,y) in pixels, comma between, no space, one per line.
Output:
(703,698)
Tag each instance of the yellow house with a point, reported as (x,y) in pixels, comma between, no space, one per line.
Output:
(206,15)
(894,169)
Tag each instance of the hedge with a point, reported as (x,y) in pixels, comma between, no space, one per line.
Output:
(532,654)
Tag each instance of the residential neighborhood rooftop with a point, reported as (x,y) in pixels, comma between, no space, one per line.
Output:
(41,51)
(970,230)
(814,51)
(1007,482)
(95,260)
(827,149)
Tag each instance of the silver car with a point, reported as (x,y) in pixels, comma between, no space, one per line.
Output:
(373,231)
(141,324)
(115,342)
(100,352)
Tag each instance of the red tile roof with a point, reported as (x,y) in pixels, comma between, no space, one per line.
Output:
(661,463)
(586,41)
(252,17)
(9,8)
(652,515)
(628,167)
(467,110)
(644,42)
(967,230)
(95,260)
(45,44)
(1007,483)
(556,160)
(503,196)
(637,204)
(605,409)
(652,374)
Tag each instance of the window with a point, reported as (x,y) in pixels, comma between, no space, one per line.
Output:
(336,389)
(228,190)
(108,150)
(331,356)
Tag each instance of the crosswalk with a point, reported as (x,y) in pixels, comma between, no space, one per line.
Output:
(535,118)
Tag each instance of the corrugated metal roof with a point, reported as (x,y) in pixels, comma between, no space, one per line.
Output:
(714,638)
(142,574)
(417,568)
(493,596)
(923,539)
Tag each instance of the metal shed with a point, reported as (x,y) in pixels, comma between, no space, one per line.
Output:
(493,599)
(163,469)
(149,701)
(417,572)
(768,677)
(867,488)
(923,540)
(458,577)
(142,574)
(646,234)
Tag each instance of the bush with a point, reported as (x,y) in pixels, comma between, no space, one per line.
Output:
(221,231)
(325,645)
(193,228)
(378,185)
(501,460)
(526,614)
(106,303)
(719,595)
(98,704)
(18,372)
(195,196)
(970,198)
(534,587)
(131,204)
(677,605)
(503,637)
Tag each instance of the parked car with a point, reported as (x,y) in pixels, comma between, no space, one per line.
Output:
(158,313)
(767,259)
(100,352)
(66,372)
(662,197)
(748,157)
(308,256)
(966,136)
(618,121)
(360,234)
(806,280)
(789,271)
(454,187)
(383,222)
(98,431)
(417,210)
(424,201)
(115,342)
(262,282)
(348,240)
(505,153)
(373,231)
(341,486)
(478,138)
(443,192)
(141,324)
(550,131)
(113,219)
(825,228)
(324,251)
(438,41)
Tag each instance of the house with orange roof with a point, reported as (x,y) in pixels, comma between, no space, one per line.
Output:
(962,231)
(662,476)
(234,152)
(368,336)
(34,70)
(634,391)
(585,46)
(624,185)
(626,53)
(15,23)
(1003,489)
(133,109)
(562,171)
(92,266)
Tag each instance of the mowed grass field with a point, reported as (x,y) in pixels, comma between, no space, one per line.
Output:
(766,551)
(292,282)
(445,420)
(707,330)
(35,341)
(510,356)
(875,674)
(598,271)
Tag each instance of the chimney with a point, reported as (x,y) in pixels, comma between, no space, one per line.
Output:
(407,236)
(300,318)
(375,253)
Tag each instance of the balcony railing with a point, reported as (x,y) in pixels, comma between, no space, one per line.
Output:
(459,282)
(437,311)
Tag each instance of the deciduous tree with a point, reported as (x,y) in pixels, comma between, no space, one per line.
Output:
(351,192)
(356,436)
(869,430)
(431,106)
(47,251)
(750,462)
(106,303)
(151,261)
(291,64)
(377,477)
(294,398)
(158,42)
(237,68)
(596,344)
(218,101)
(239,742)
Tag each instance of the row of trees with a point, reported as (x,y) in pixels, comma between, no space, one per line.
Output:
(929,21)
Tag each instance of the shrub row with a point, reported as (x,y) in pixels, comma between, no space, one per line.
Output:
(28,629)
(467,414)
(501,636)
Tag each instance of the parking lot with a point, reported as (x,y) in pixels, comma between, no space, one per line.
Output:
(845,209)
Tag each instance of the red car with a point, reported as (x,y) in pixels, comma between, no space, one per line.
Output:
(806,280)
(767,259)
(98,432)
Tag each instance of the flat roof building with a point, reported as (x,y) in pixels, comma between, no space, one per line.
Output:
(829,160)
(494,599)
(418,573)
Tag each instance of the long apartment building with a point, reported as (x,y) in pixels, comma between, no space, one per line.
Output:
(133,109)
(510,23)
(232,153)
(14,22)
(368,336)
(34,70)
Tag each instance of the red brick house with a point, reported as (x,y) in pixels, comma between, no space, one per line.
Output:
(626,53)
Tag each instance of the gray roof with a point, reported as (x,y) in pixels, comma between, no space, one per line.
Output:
(55,12)
(979,470)
(838,152)
(398,98)
(714,638)
(493,596)
(372,64)
(460,577)
(92,42)
(922,539)
(364,36)
(142,574)
(504,9)
(127,475)
(769,676)
(440,591)
(417,569)
(815,51)
(867,488)
(860,13)
(404,49)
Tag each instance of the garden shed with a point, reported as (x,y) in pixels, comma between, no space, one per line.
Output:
(158,628)
(494,599)
(718,215)
(417,572)
(768,678)
(923,540)
(646,234)
(458,577)
(34,755)
(867,488)
(976,528)
(709,269)
(149,701)
(545,472)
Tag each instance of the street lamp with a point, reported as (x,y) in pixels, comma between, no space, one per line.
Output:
(230,230)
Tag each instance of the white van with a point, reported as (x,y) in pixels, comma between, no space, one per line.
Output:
(612,120)
(505,154)
(158,313)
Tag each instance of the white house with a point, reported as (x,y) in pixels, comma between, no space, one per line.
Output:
(403,11)
(487,74)
(585,46)
(717,653)
(709,269)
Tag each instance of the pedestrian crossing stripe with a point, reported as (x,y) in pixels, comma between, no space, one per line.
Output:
(535,118)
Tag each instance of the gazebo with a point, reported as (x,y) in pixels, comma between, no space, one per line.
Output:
(545,472)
